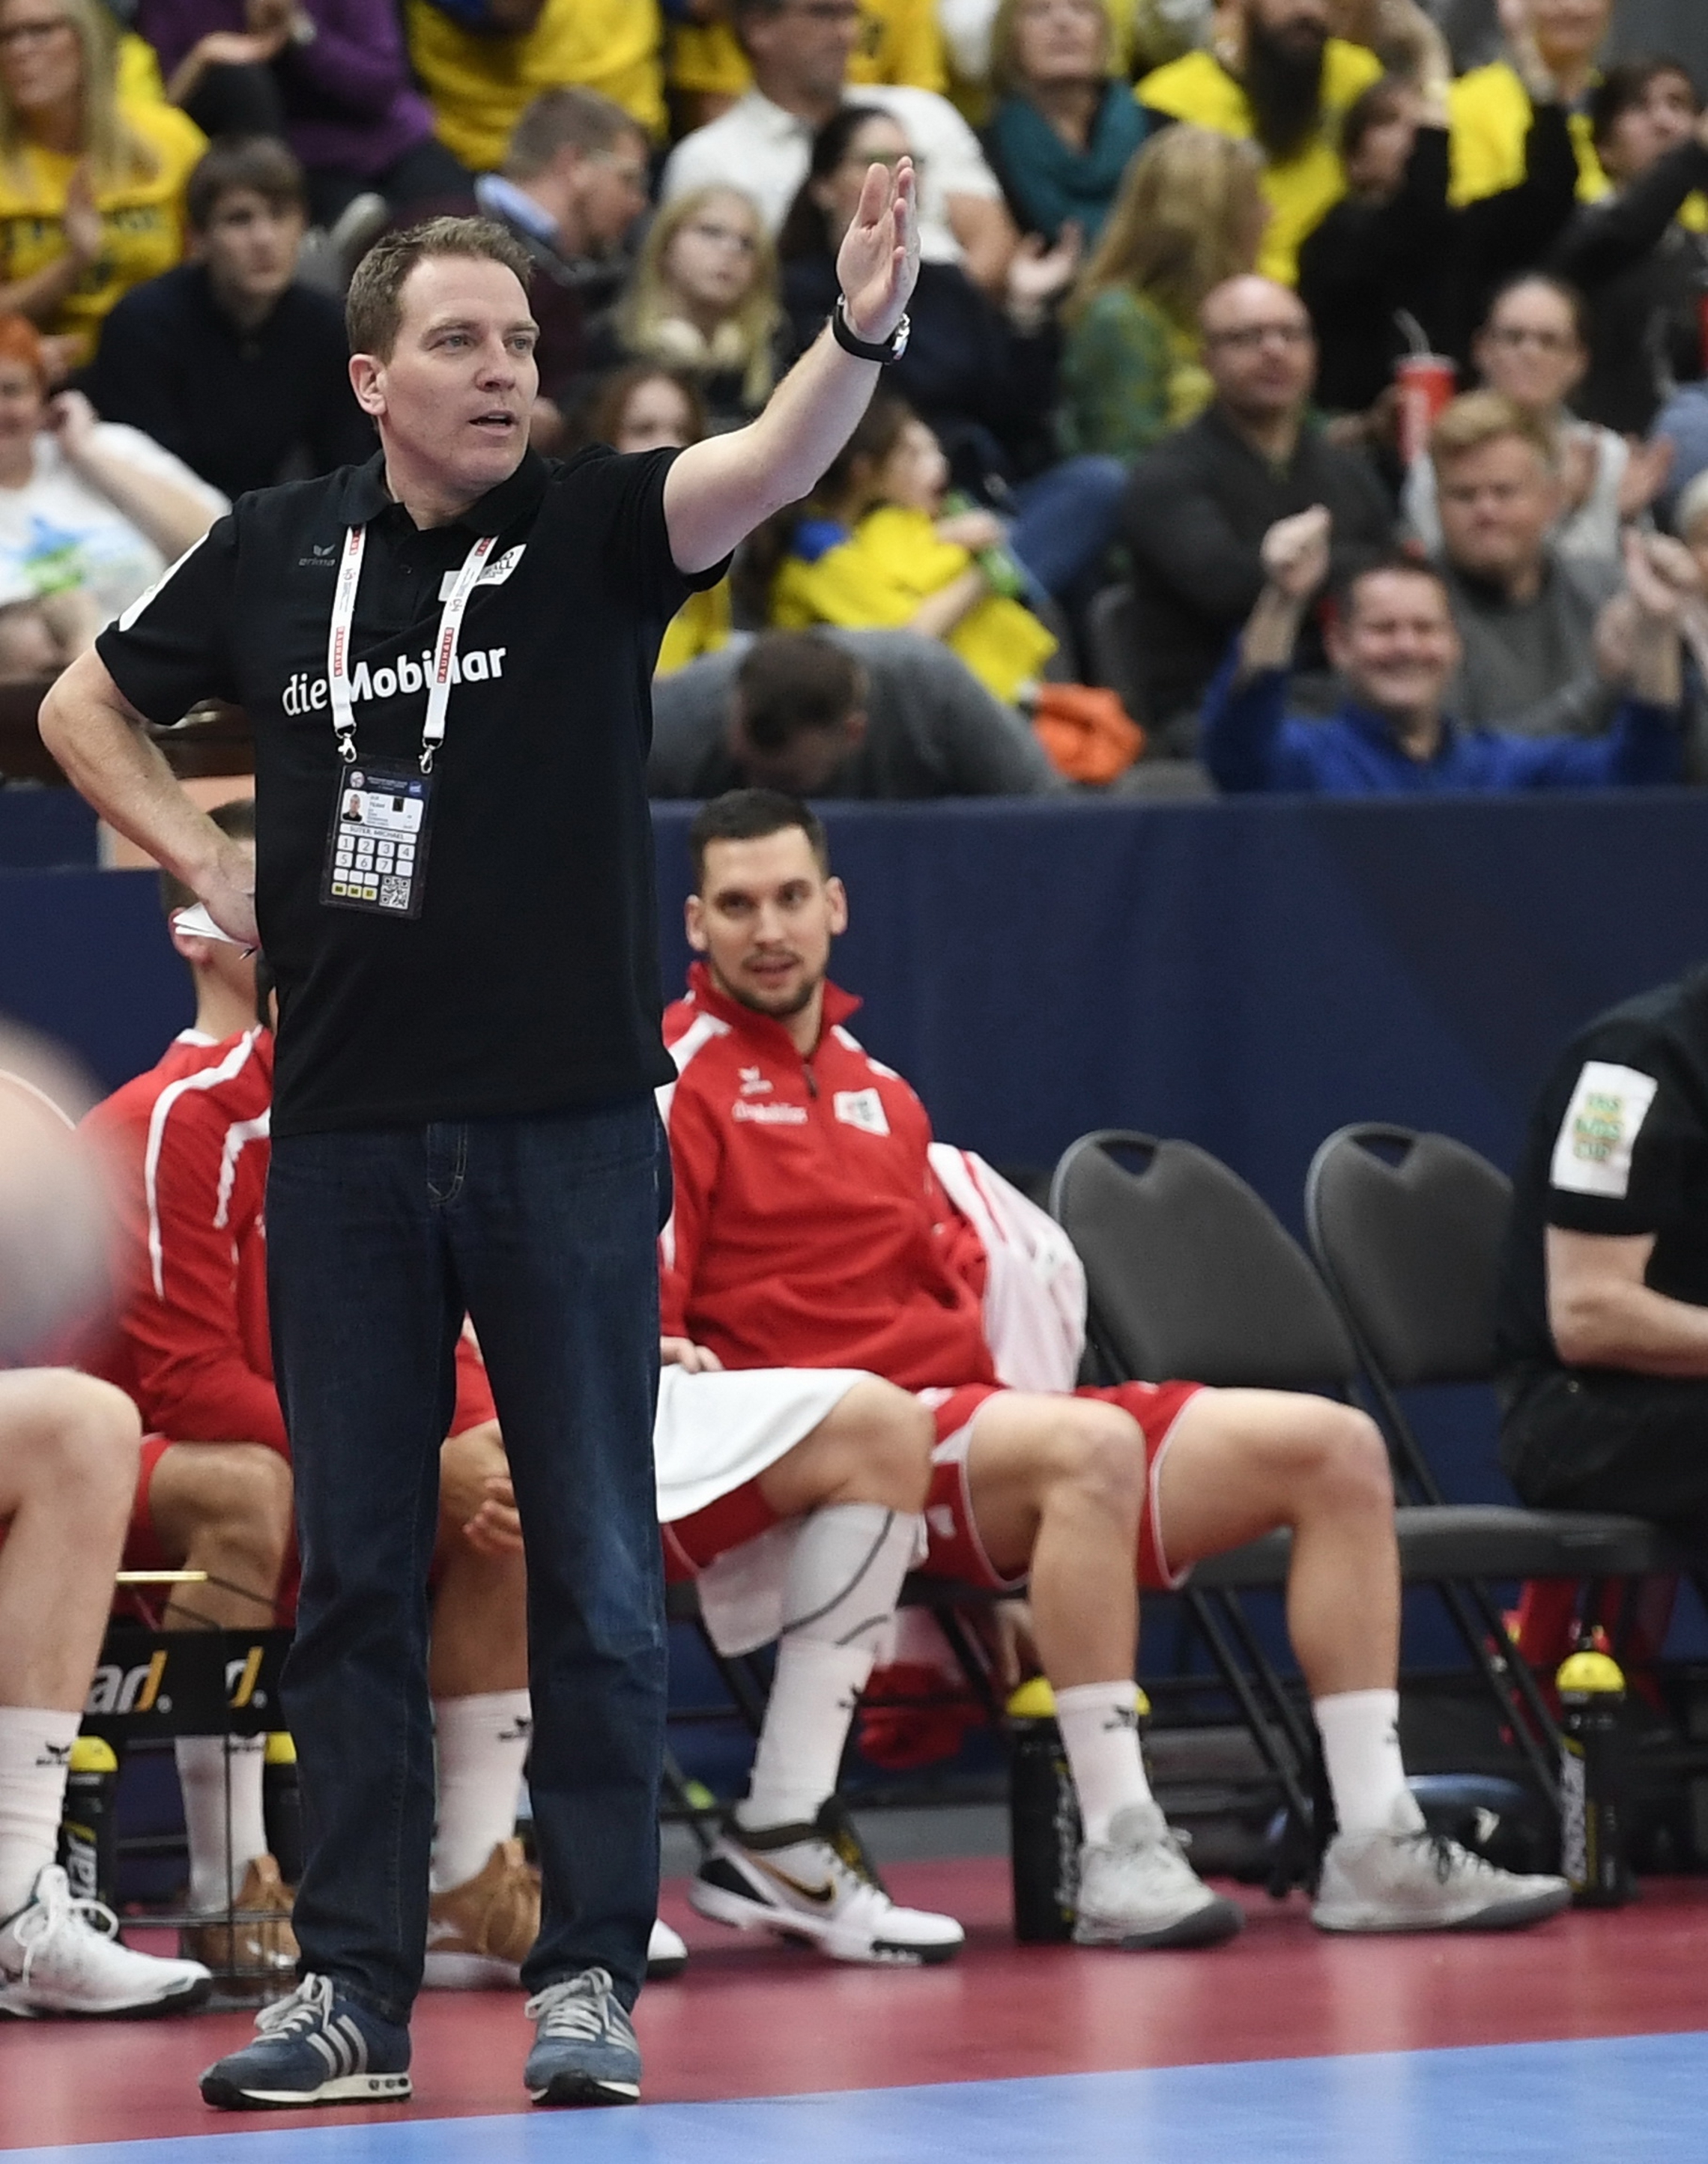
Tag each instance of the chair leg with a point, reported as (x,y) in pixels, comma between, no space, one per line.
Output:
(1505,1671)
(676,1782)
(1227,1662)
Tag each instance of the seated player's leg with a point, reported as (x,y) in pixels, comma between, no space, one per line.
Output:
(1239,1463)
(484,1912)
(224,1508)
(68,1457)
(858,1483)
(1057,1486)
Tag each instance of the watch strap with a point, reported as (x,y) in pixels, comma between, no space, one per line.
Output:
(864,349)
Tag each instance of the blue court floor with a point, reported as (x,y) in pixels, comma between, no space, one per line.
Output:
(1613,2100)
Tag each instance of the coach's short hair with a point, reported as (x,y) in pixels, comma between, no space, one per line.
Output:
(567,118)
(1392,564)
(373,309)
(749,815)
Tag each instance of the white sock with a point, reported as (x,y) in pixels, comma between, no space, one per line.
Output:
(482,1742)
(844,1578)
(221,1850)
(35,1750)
(1099,1724)
(1360,1732)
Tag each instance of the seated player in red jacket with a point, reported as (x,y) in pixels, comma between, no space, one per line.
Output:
(809,1230)
(188,1148)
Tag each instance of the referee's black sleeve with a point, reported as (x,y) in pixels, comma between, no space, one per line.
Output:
(172,648)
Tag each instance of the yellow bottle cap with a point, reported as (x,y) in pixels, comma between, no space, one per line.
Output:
(281,1749)
(93,1754)
(1592,1673)
(1037,1701)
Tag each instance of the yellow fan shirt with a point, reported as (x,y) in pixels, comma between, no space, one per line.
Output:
(1303,189)
(899,42)
(1490,112)
(478,84)
(877,580)
(142,218)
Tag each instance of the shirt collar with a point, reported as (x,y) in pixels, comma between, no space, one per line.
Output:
(364,495)
(1376,729)
(839,1005)
(774,121)
(494,193)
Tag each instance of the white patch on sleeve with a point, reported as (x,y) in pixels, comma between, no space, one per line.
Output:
(1592,1151)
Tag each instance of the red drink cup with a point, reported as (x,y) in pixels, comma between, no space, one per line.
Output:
(1427,382)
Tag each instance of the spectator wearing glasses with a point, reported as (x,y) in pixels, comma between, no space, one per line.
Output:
(1191,214)
(1640,255)
(92,184)
(574,183)
(1197,507)
(800,51)
(1533,350)
(703,299)
(1065,129)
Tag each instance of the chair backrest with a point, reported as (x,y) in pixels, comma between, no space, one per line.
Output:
(1190,1273)
(1407,1228)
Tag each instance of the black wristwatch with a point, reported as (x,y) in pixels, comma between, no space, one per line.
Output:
(842,331)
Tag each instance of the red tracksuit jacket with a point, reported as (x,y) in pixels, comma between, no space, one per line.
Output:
(809,1231)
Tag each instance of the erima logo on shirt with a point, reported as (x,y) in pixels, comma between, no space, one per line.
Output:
(306,695)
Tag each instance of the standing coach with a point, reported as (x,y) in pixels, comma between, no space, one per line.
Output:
(445,657)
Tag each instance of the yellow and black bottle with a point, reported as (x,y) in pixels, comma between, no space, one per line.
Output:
(281,1805)
(1593,1800)
(88,1835)
(1044,1829)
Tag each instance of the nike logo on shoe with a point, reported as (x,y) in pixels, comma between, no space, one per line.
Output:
(821,1897)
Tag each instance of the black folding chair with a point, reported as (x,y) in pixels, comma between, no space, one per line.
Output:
(1408,1230)
(1191,1273)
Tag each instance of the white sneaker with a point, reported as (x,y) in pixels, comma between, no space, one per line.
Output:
(666,1952)
(61,1955)
(1137,1890)
(1403,1878)
(810,1882)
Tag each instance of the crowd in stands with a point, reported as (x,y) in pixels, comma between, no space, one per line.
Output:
(1190,271)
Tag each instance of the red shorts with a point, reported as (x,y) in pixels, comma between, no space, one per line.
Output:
(691,1543)
(956,1549)
(142,1547)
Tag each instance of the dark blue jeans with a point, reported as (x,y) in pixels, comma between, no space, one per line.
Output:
(545,1231)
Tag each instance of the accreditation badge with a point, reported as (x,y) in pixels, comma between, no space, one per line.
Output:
(376,851)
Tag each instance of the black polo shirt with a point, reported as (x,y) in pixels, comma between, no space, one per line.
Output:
(1617,1145)
(529,981)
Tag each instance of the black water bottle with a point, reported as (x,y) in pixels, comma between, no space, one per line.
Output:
(88,1831)
(1592,1782)
(281,1806)
(1043,1819)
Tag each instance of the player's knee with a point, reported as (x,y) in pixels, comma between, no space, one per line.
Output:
(246,1498)
(896,1439)
(1349,1461)
(1098,1458)
(90,1437)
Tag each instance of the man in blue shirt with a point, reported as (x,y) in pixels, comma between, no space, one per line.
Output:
(1394,642)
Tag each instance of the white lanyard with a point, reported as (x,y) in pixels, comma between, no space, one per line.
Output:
(444,645)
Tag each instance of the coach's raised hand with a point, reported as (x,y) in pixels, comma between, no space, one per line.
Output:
(877,265)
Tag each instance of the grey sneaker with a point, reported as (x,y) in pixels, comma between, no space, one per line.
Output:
(1403,1878)
(1137,1889)
(584,2046)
